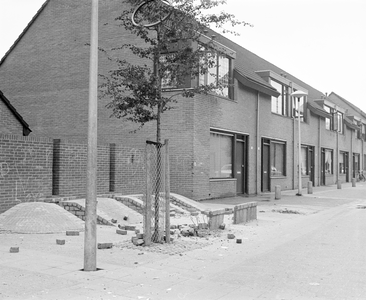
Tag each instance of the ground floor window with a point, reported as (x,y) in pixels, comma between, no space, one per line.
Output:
(278,158)
(304,160)
(342,162)
(221,155)
(356,164)
(328,161)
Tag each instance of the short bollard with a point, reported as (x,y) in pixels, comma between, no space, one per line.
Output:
(353,182)
(277,192)
(339,185)
(310,187)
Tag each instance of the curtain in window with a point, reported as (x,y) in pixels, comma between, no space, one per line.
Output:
(341,164)
(220,155)
(223,72)
(328,162)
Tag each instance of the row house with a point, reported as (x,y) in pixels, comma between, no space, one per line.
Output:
(243,140)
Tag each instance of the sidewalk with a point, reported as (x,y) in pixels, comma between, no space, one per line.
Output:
(44,270)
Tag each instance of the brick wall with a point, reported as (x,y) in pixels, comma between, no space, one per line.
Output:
(38,169)
(25,170)
(69,168)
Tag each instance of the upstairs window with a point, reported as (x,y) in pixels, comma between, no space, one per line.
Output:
(280,104)
(328,121)
(219,74)
(339,123)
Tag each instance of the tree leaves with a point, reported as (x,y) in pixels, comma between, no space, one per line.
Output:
(170,53)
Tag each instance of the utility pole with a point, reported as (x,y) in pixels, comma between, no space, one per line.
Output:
(90,242)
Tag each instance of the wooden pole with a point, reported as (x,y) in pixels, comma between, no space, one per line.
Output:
(90,242)
(167,193)
(147,212)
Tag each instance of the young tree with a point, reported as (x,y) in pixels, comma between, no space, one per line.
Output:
(172,52)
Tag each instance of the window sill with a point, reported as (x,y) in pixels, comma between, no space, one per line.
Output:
(172,89)
(222,179)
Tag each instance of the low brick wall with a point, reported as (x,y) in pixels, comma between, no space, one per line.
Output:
(136,205)
(245,212)
(79,211)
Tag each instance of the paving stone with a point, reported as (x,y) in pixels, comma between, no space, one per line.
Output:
(72,233)
(231,236)
(105,245)
(122,232)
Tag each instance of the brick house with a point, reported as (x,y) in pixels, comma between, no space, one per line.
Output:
(11,122)
(241,142)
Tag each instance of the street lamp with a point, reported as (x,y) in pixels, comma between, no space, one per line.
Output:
(299,95)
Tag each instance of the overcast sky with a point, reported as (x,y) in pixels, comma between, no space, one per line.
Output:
(321,42)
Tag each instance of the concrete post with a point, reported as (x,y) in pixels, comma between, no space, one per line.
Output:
(310,187)
(339,185)
(353,182)
(277,192)
(90,240)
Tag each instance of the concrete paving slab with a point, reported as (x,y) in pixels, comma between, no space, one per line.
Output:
(284,256)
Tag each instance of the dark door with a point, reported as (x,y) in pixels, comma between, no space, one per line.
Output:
(346,166)
(240,166)
(266,180)
(311,165)
(356,165)
(322,175)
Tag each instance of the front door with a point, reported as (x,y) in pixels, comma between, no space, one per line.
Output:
(322,177)
(356,165)
(266,172)
(311,165)
(240,166)
(346,166)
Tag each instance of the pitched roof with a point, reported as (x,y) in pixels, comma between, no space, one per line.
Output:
(26,129)
(24,32)
(353,109)
(246,64)
(249,63)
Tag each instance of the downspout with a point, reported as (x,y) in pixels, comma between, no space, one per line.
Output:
(293,141)
(362,157)
(351,156)
(257,149)
(319,154)
(293,153)
(337,161)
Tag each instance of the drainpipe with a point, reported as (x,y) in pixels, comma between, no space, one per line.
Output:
(337,156)
(257,149)
(293,144)
(319,153)
(351,156)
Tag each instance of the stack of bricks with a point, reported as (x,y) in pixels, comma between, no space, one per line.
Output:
(245,212)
